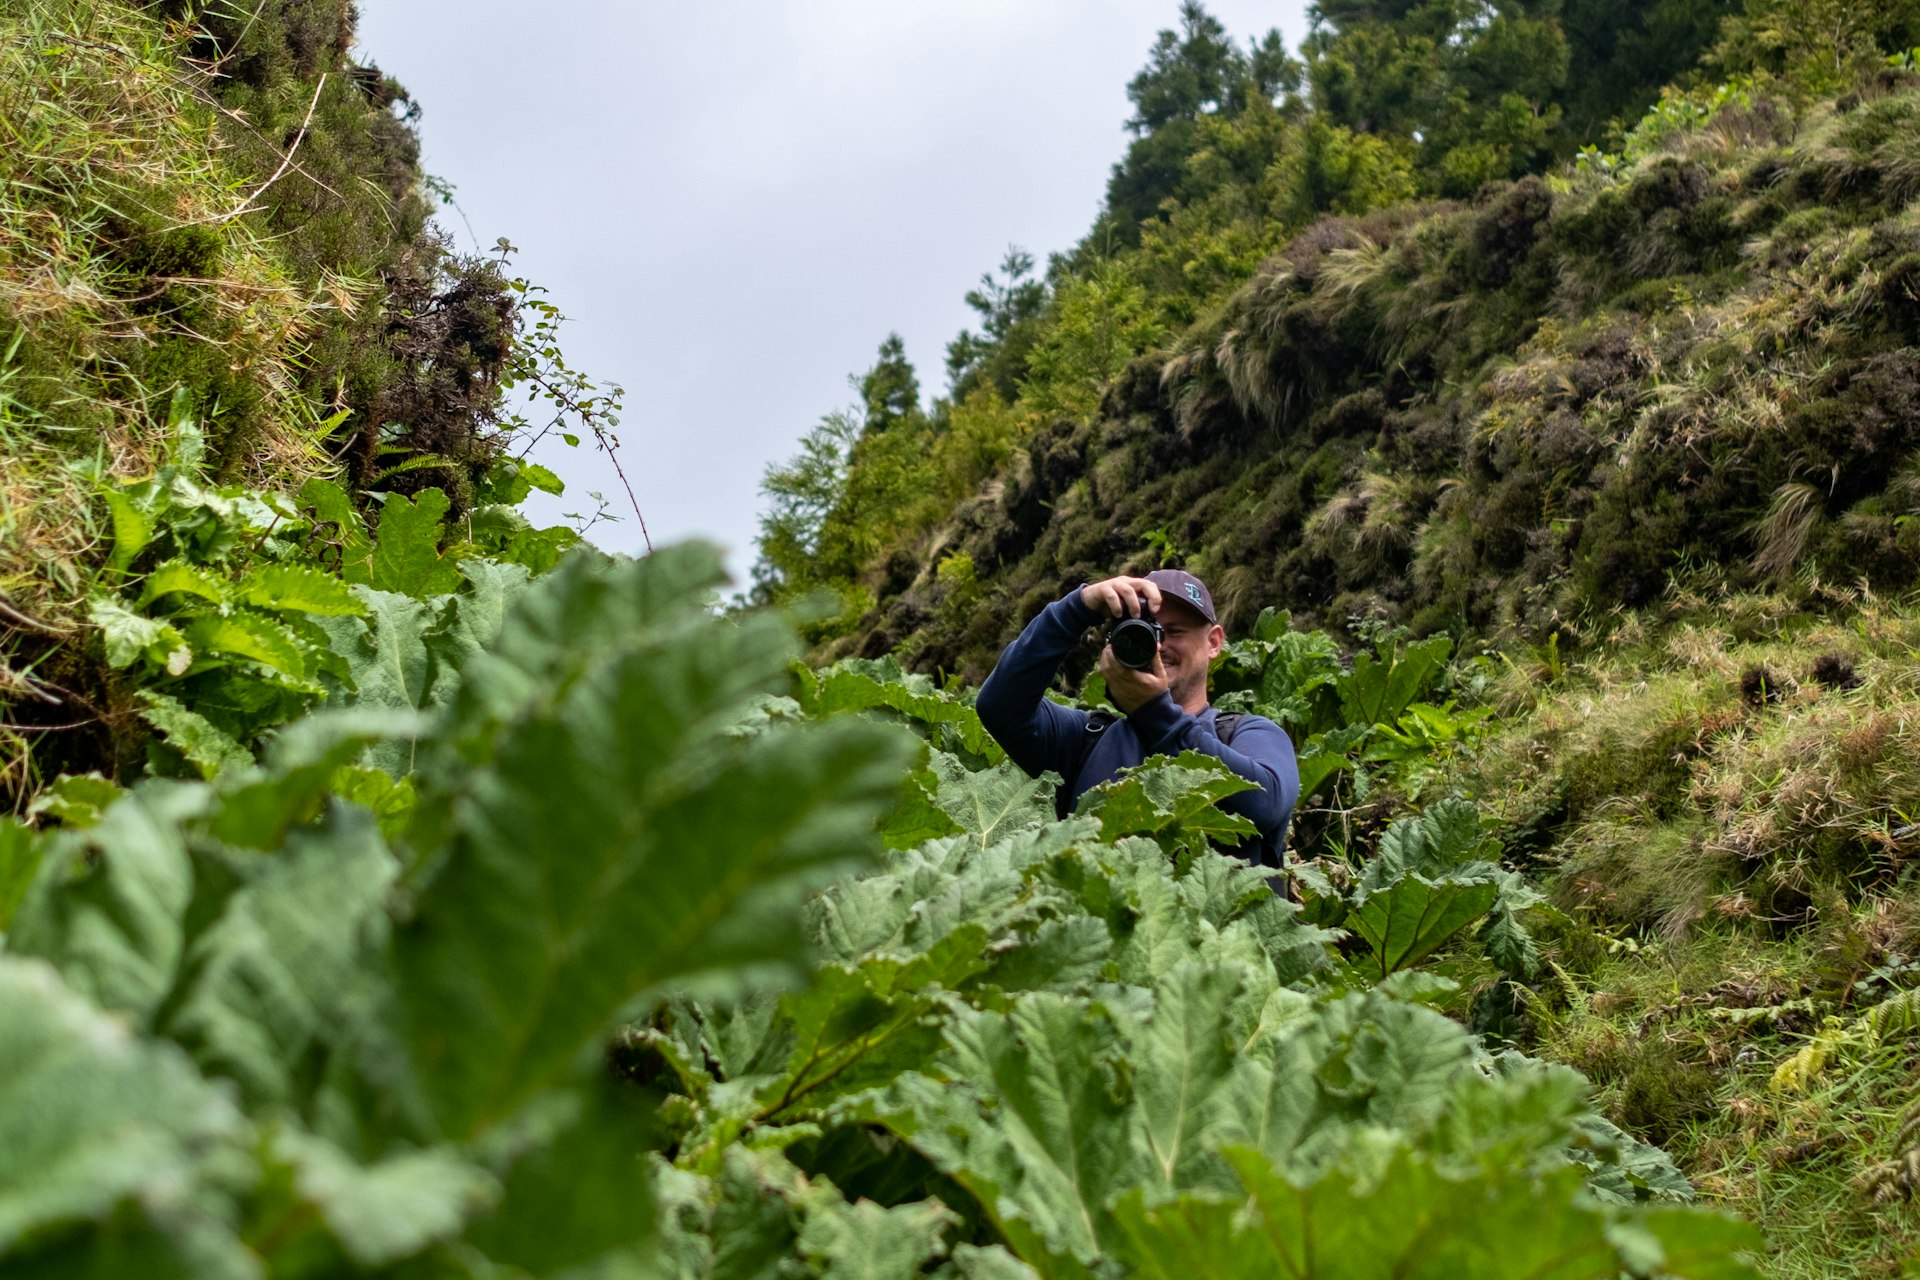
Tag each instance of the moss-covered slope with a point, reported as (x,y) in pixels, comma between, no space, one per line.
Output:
(213,224)
(221,217)
(1511,415)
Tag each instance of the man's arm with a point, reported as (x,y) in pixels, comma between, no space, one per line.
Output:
(1039,735)
(1261,753)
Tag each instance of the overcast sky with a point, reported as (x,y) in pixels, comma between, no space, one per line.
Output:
(735,202)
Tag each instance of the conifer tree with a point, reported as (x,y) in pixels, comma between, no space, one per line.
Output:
(890,390)
(1192,73)
(1008,302)
(1624,52)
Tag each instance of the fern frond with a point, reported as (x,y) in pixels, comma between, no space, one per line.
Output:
(419,462)
(1801,1069)
(1885,1181)
(1898,1014)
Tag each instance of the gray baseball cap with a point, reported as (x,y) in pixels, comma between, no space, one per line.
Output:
(1178,584)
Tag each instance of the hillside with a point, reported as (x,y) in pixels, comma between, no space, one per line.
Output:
(218,282)
(1506,417)
(1629,417)
(1503,413)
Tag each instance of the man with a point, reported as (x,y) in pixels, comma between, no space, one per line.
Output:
(1165,706)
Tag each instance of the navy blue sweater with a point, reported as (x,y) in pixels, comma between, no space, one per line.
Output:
(1040,735)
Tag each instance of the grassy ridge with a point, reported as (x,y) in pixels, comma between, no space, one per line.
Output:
(219,282)
(126,270)
(1723,799)
(1510,417)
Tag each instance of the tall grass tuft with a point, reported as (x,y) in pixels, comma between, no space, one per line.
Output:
(131,265)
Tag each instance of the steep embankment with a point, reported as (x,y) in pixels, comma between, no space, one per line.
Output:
(408,904)
(1510,416)
(1642,433)
(218,281)
(1721,799)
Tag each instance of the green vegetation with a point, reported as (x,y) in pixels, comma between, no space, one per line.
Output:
(353,1010)
(231,345)
(1720,803)
(394,888)
(1574,340)
(1504,414)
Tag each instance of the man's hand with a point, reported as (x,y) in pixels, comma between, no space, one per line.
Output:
(1120,597)
(1130,689)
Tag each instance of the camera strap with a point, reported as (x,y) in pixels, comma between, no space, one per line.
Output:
(1097,723)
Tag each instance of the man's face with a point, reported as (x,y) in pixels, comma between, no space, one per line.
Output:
(1190,645)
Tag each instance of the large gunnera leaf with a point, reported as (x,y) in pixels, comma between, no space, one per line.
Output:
(1050,1111)
(20,854)
(1404,924)
(373,1215)
(406,554)
(992,803)
(857,1027)
(1176,802)
(1029,1113)
(1395,1214)
(107,906)
(90,1117)
(262,987)
(1185,1059)
(863,1241)
(1448,836)
(1433,875)
(577,1190)
(407,653)
(607,837)
(861,685)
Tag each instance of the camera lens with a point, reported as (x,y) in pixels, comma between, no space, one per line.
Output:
(1135,641)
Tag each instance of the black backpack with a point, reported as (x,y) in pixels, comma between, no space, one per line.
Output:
(1272,848)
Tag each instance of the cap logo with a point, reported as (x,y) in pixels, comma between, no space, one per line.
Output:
(1193,592)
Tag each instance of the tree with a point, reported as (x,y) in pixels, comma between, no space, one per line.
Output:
(800,494)
(1189,71)
(1476,83)
(876,464)
(979,435)
(1100,323)
(1007,303)
(890,390)
(862,478)
(1192,73)
(1629,49)
(1272,73)
(1338,171)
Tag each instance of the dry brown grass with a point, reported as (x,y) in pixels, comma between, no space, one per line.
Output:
(1678,799)
(108,130)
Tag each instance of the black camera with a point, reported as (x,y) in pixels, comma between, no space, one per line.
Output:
(1136,641)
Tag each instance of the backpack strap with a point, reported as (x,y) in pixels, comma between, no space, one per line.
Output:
(1273,846)
(1098,722)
